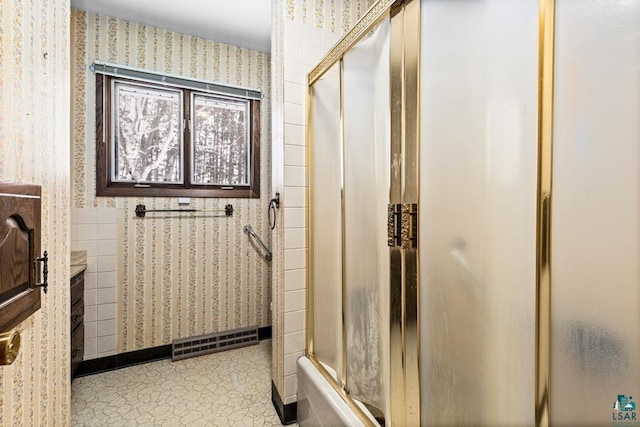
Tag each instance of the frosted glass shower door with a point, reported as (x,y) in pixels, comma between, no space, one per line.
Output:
(477,223)
(366,195)
(595,235)
(326,223)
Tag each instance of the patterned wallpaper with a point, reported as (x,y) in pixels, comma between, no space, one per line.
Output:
(177,277)
(335,16)
(34,148)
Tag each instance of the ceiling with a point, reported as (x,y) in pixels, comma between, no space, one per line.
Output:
(244,23)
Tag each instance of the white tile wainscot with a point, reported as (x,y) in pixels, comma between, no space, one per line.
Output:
(95,230)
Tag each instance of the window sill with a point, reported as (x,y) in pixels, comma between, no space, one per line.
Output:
(129,191)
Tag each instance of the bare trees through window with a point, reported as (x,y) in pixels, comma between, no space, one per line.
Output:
(220,141)
(155,140)
(147,134)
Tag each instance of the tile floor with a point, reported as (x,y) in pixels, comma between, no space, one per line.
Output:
(231,388)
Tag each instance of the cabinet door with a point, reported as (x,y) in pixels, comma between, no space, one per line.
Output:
(19,248)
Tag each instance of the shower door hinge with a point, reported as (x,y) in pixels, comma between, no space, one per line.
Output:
(402,225)
(409,226)
(393,225)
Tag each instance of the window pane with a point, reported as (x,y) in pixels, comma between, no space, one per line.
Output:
(147,133)
(220,141)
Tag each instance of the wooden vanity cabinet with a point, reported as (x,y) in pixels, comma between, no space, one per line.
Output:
(77,321)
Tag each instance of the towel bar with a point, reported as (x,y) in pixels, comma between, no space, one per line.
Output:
(141,210)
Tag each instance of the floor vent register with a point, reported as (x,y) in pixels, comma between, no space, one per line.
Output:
(184,348)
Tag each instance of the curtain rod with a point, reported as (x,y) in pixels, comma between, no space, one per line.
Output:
(172,80)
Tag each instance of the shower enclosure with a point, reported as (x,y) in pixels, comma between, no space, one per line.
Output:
(475,213)
(349,224)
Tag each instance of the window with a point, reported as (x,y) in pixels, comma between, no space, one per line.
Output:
(157,140)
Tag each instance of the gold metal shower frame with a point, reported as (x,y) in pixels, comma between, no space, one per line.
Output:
(546,54)
(405,127)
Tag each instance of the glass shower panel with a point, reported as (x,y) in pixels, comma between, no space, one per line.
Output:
(326,224)
(366,195)
(477,219)
(595,236)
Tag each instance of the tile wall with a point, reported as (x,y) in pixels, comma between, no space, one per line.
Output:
(95,230)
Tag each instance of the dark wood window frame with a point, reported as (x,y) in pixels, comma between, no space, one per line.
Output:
(106,187)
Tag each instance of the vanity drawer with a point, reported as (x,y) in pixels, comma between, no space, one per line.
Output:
(77,348)
(77,321)
(77,314)
(77,287)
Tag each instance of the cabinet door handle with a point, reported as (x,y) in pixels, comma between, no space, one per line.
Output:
(9,347)
(42,273)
